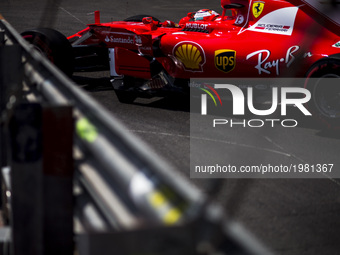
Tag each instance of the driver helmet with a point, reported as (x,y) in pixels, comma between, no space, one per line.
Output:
(204,14)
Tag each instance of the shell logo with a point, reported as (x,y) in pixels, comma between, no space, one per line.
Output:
(191,55)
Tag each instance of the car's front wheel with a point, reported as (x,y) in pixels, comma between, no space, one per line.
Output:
(54,46)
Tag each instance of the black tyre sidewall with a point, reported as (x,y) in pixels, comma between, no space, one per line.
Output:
(54,46)
(323,67)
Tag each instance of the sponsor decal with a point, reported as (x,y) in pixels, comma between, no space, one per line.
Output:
(336,45)
(273,28)
(280,22)
(196,26)
(138,39)
(225,60)
(130,39)
(191,55)
(145,48)
(265,65)
(257,8)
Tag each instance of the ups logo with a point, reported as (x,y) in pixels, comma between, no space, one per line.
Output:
(225,60)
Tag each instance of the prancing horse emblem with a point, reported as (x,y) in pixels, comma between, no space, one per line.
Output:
(257,8)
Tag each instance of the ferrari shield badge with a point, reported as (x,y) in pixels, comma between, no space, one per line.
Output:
(257,8)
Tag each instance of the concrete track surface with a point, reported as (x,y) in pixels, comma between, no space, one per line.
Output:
(290,216)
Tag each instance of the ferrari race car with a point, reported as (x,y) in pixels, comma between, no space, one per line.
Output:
(249,38)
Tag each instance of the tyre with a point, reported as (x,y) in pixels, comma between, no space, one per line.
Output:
(53,45)
(323,81)
(139,18)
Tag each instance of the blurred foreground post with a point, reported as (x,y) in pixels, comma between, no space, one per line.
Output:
(42,172)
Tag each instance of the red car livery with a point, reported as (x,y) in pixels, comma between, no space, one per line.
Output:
(249,38)
(260,39)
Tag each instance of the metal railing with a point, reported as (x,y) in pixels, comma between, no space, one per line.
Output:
(122,189)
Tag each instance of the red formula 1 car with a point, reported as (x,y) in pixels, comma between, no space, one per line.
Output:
(249,38)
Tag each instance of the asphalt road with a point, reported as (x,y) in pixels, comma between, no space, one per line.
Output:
(291,216)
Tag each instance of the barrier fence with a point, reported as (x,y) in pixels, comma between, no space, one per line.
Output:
(74,181)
